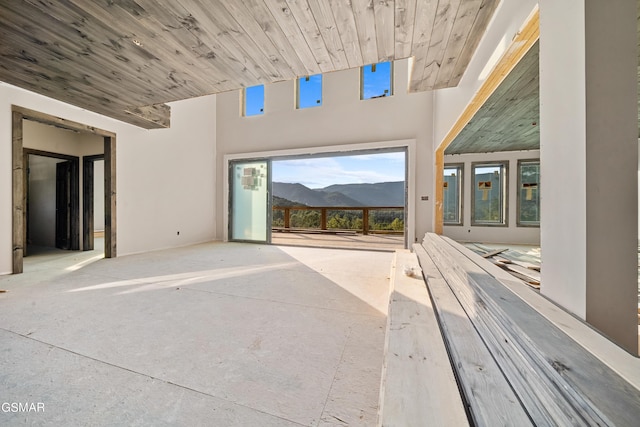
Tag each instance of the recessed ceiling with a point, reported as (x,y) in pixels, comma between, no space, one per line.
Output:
(126,58)
(509,119)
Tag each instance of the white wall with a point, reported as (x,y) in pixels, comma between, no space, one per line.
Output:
(98,195)
(493,234)
(342,120)
(165,178)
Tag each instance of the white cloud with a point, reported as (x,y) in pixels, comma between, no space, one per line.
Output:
(321,172)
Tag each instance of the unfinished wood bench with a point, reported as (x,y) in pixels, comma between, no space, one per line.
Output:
(508,364)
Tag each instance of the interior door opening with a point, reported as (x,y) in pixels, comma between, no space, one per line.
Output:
(52,201)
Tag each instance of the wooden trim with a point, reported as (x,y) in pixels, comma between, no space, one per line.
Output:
(110,247)
(19,206)
(520,45)
(33,152)
(47,119)
(19,114)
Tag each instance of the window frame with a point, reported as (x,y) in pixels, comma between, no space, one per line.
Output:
(391,88)
(298,80)
(504,187)
(519,222)
(460,176)
(244,102)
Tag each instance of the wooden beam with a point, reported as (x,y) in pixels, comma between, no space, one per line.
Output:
(520,45)
(47,119)
(158,114)
(19,206)
(110,246)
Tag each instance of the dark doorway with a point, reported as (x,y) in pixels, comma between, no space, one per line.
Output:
(63,205)
(20,183)
(52,200)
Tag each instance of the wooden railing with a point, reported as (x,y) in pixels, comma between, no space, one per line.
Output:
(364,210)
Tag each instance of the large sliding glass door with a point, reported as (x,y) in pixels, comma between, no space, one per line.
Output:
(250,200)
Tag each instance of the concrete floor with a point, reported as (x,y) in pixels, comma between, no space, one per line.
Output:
(383,242)
(218,334)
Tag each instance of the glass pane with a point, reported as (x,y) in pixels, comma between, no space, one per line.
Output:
(254,100)
(488,194)
(530,193)
(451,201)
(376,80)
(249,201)
(310,91)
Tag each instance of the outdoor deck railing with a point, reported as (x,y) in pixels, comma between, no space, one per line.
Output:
(362,213)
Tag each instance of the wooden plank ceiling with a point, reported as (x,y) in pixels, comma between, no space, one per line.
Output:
(126,58)
(509,119)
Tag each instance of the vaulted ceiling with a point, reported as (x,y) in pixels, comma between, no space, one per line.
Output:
(127,58)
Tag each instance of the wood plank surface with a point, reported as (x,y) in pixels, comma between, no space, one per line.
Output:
(419,387)
(304,18)
(364,16)
(488,393)
(405,14)
(287,22)
(384,13)
(323,15)
(343,14)
(595,390)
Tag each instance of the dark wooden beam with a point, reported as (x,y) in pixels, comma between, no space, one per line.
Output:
(110,247)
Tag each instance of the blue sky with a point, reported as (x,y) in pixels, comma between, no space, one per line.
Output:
(320,172)
(310,89)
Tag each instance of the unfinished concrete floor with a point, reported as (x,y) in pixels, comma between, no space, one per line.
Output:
(218,334)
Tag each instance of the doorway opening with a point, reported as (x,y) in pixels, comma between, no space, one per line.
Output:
(51,196)
(52,201)
(355,199)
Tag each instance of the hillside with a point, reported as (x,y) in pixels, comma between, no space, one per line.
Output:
(306,196)
(380,194)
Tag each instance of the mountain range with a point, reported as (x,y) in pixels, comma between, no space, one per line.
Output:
(379,194)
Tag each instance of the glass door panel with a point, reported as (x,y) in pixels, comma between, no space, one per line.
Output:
(250,216)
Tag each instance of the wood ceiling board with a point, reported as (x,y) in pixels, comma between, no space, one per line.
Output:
(166,52)
(384,13)
(248,10)
(423,27)
(509,119)
(442,27)
(348,31)
(405,14)
(288,65)
(302,13)
(283,18)
(215,21)
(117,56)
(466,16)
(487,8)
(207,42)
(364,16)
(321,10)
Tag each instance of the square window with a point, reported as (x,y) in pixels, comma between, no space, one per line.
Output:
(254,100)
(529,193)
(489,196)
(452,200)
(376,80)
(309,91)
